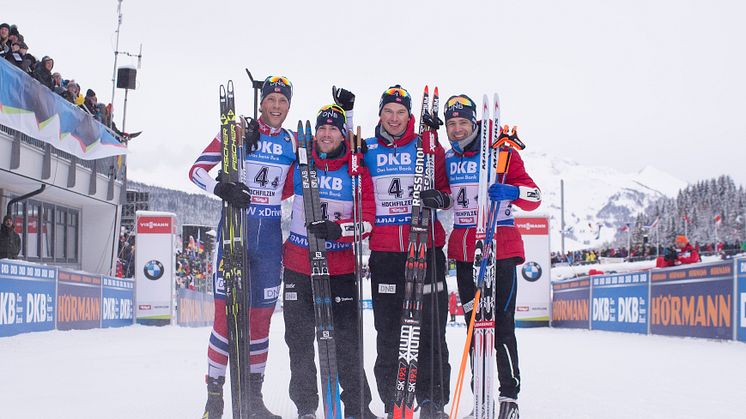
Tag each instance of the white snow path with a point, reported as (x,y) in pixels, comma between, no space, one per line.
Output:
(147,372)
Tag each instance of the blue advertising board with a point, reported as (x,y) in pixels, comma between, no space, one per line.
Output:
(570,303)
(620,302)
(78,300)
(27,298)
(194,309)
(693,301)
(118,301)
(741,300)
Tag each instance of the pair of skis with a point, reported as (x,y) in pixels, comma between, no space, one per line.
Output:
(234,260)
(319,277)
(415,269)
(496,148)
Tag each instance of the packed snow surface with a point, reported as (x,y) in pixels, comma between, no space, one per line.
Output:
(149,372)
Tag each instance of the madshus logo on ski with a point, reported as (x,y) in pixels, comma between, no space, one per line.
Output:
(531,271)
(153,270)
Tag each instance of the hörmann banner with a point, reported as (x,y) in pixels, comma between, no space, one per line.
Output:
(570,303)
(620,302)
(27,297)
(533,297)
(78,300)
(693,301)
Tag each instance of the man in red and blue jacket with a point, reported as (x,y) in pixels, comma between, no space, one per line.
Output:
(462,161)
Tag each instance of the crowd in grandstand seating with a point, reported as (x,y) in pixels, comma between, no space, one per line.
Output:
(646,252)
(14,49)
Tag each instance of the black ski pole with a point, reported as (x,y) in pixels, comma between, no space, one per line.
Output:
(257,86)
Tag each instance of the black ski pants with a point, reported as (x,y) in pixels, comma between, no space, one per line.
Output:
(506,346)
(387,282)
(300,335)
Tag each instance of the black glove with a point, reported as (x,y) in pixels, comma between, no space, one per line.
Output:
(343,97)
(435,199)
(251,134)
(325,229)
(237,194)
(432,121)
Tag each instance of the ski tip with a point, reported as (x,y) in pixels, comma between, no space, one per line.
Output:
(230,85)
(435,91)
(309,133)
(222,90)
(300,129)
(426,90)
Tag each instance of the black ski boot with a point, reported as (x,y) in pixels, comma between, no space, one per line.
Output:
(258,409)
(508,410)
(214,405)
(430,410)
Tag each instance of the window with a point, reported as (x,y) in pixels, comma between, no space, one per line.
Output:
(48,232)
(59,234)
(33,210)
(71,243)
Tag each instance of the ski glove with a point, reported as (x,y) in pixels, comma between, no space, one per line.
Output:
(325,229)
(432,121)
(344,98)
(236,194)
(503,192)
(435,199)
(250,134)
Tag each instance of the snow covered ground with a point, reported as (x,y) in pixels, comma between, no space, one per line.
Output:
(147,372)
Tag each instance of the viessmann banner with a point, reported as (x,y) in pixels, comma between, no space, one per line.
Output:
(620,302)
(533,279)
(154,266)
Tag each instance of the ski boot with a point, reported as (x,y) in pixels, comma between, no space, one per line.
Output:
(258,409)
(214,405)
(508,410)
(430,410)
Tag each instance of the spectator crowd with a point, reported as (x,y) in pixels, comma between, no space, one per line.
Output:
(14,49)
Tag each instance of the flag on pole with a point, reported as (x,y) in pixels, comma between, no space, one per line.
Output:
(654,224)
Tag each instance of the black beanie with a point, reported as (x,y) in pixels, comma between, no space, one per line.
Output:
(332,115)
(277,84)
(396,94)
(90,93)
(461,106)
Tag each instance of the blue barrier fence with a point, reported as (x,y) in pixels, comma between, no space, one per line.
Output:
(706,300)
(36,298)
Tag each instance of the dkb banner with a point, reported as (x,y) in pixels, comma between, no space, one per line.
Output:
(570,303)
(532,301)
(154,266)
(195,309)
(27,298)
(78,300)
(620,302)
(118,301)
(741,299)
(693,301)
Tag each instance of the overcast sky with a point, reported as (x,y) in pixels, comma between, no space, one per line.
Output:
(615,83)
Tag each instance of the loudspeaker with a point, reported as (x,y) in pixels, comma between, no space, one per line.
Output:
(126,78)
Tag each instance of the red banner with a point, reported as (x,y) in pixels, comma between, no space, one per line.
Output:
(532,226)
(154,225)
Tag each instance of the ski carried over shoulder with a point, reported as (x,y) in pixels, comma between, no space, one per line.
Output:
(234,260)
(414,276)
(322,298)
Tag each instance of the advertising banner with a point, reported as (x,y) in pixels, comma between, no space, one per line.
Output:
(195,309)
(741,300)
(620,302)
(570,303)
(31,108)
(118,301)
(154,266)
(78,300)
(533,296)
(27,298)
(693,301)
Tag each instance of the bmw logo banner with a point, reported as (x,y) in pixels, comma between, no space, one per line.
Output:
(532,277)
(154,260)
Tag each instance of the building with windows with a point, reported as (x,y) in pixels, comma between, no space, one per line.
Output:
(44,140)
